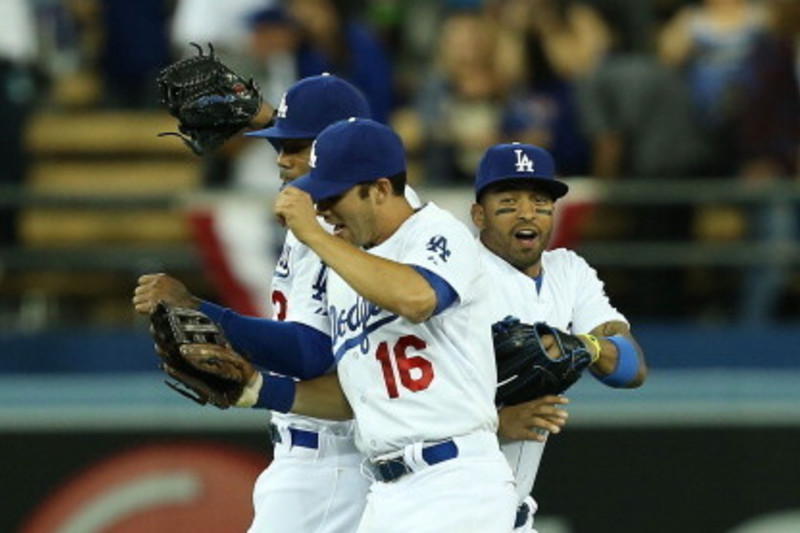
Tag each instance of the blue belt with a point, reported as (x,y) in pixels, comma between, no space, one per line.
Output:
(523,512)
(393,469)
(299,437)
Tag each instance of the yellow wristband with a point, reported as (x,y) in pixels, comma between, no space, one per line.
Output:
(594,343)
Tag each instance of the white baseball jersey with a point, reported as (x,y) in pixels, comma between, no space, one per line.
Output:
(306,489)
(572,299)
(410,382)
(298,295)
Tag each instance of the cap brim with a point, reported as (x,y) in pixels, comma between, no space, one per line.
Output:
(320,189)
(553,187)
(278,133)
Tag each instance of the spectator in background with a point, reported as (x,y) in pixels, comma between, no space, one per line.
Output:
(769,145)
(335,42)
(709,44)
(639,117)
(134,48)
(18,52)
(211,21)
(559,43)
(457,113)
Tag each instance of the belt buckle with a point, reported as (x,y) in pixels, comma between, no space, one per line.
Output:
(523,512)
(390,470)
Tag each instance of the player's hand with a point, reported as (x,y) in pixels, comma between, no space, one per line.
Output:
(533,420)
(295,209)
(551,346)
(152,288)
(218,360)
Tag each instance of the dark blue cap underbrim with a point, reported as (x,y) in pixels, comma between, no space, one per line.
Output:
(277,132)
(553,187)
(321,189)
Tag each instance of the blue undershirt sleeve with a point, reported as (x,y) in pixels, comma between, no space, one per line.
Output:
(445,294)
(288,348)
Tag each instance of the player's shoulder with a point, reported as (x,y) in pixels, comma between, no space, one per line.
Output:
(563,259)
(432,218)
(295,256)
(493,262)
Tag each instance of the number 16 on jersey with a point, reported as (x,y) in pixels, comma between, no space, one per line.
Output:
(415,373)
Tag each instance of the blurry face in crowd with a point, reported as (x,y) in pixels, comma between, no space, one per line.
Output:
(318,17)
(270,39)
(516,224)
(293,158)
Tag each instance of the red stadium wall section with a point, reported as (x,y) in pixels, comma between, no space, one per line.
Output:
(174,488)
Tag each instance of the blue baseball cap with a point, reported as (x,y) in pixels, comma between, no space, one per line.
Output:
(311,105)
(519,162)
(350,152)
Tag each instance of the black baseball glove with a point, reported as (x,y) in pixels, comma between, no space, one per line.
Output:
(211,102)
(524,369)
(218,378)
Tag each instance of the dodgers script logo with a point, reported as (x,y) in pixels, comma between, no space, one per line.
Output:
(354,326)
(524,163)
(282,268)
(282,107)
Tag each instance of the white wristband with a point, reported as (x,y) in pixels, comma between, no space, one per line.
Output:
(250,393)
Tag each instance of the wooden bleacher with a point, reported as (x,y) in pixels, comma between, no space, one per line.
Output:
(104,156)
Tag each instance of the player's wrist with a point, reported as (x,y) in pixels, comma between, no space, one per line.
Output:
(592,344)
(264,118)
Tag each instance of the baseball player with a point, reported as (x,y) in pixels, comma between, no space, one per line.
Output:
(407,304)
(515,192)
(314,483)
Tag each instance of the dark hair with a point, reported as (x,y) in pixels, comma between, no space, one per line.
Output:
(398,182)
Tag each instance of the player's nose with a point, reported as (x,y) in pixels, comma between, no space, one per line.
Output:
(526,210)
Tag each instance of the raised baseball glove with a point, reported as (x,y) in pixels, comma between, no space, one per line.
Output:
(211,102)
(218,379)
(524,369)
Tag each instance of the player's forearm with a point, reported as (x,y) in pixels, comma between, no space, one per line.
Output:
(322,397)
(288,348)
(620,355)
(392,286)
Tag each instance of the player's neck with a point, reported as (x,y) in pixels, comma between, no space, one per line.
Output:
(393,215)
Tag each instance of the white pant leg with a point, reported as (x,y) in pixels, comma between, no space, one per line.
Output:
(464,495)
(310,491)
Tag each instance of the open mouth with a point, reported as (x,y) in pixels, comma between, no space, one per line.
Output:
(527,237)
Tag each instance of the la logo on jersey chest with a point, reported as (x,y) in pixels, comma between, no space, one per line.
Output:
(524,163)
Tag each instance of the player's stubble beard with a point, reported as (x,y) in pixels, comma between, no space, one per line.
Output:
(525,259)
(506,246)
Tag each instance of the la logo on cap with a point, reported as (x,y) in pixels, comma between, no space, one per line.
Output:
(282,107)
(524,163)
(312,158)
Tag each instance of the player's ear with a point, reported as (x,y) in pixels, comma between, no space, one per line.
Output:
(382,189)
(478,216)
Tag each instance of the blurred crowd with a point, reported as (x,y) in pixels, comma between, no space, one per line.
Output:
(615,89)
